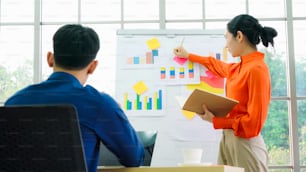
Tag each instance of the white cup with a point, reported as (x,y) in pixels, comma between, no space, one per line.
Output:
(192,155)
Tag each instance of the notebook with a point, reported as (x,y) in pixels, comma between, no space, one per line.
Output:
(220,106)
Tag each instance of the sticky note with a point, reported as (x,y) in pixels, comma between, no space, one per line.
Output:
(188,114)
(153,43)
(204,86)
(181,100)
(180,60)
(210,75)
(140,87)
(213,82)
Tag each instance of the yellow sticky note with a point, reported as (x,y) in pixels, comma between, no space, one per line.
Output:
(188,114)
(205,86)
(140,87)
(153,43)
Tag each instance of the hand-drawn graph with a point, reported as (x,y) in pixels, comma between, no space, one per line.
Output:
(142,98)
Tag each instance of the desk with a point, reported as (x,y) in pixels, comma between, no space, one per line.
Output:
(210,168)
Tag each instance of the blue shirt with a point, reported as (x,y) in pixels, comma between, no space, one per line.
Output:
(101,118)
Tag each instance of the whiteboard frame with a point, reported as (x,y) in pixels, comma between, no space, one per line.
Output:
(169,32)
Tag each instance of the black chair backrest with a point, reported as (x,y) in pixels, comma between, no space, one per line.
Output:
(40,138)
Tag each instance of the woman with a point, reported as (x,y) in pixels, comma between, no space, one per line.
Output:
(248,82)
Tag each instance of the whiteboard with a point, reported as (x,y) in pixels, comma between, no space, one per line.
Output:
(151,86)
(145,68)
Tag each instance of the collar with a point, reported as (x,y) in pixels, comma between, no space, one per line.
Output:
(64,76)
(252,56)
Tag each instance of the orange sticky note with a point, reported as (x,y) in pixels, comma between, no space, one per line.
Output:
(140,87)
(153,43)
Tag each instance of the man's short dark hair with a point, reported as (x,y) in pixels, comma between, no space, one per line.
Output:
(75,46)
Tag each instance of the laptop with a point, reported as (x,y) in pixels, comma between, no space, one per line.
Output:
(40,138)
(148,138)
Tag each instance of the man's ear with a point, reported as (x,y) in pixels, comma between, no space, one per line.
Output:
(50,59)
(92,66)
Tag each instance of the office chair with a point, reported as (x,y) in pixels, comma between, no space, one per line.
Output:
(147,138)
(40,138)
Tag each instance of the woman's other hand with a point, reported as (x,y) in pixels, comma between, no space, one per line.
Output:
(207,115)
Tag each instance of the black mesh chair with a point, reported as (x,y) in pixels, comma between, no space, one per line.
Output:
(148,139)
(40,138)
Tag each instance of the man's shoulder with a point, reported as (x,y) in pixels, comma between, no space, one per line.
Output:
(10,100)
(96,93)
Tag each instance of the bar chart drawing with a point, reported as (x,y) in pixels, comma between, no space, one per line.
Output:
(178,72)
(142,98)
(171,73)
(139,102)
(147,59)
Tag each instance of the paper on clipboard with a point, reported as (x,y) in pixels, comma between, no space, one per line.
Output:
(220,106)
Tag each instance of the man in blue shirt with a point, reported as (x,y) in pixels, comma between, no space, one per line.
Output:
(101,118)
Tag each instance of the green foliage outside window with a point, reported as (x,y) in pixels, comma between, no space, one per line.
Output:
(11,81)
(276,129)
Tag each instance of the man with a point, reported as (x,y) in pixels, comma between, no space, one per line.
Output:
(101,118)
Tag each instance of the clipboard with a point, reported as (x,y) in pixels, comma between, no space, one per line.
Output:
(219,105)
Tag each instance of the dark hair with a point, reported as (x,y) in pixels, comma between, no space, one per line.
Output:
(251,28)
(75,46)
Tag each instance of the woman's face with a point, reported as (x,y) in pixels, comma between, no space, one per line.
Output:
(232,44)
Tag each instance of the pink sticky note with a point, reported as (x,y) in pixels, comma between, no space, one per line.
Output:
(180,60)
(210,75)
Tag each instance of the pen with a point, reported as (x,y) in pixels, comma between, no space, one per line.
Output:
(182,42)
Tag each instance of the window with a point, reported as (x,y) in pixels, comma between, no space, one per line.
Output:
(219,9)
(300,56)
(267,8)
(59,11)
(16,62)
(94,11)
(300,72)
(140,10)
(104,76)
(176,10)
(15,11)
(298,8)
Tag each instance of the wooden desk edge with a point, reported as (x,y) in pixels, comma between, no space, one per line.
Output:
(215,168)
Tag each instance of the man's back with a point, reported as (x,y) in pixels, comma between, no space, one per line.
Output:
(101,119)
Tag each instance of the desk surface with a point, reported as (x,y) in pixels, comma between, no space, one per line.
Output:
(209,168)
